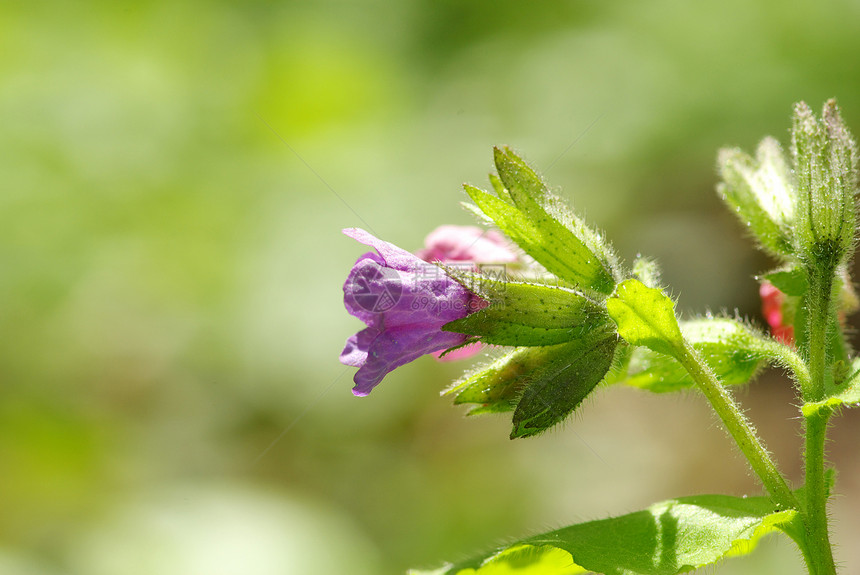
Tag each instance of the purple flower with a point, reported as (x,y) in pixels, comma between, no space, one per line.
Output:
(404,302)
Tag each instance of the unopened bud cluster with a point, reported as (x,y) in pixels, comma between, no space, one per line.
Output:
(800,209)
(825,166)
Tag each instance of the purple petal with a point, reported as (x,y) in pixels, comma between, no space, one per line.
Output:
(393,256)
(355,351)
(383,297)
(370,289)
(430,299)
(396,347)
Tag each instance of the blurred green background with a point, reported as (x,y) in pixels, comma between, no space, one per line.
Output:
(174,179)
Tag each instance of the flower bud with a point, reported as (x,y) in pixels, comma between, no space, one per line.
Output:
(773,303)
(761,194)
(825,166)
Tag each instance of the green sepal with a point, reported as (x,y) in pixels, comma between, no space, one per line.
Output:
(537,221)
(825,160)
(521,181)
(668,538)
(468,342)
(729,348)
(497,386)
(646,317)
(620,370)
(529,193)
(791,282)
(521,314)
(497,407)
(647,271)
(476,211)
(558,387)
(499,188)
(761,193)
(500,385)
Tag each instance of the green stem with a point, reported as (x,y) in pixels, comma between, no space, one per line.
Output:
(818,304)
(785,356)
(739,427)
(817,535)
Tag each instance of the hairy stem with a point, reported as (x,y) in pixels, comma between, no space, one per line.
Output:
(739,427)
(818,305)
(786,357)
(818,538)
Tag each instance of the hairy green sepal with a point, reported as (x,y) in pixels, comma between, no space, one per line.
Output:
(559,387)
(497,386)
(521,314)
(761,193)
(824,159)
(524,209)
(541,385)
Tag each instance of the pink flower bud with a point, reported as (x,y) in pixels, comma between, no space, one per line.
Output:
(466,244)
(772,307)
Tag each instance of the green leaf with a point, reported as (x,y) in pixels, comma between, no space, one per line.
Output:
(560,386)
(521,560)
(668,538)
(646,317)
(792,282)
(847,394)
(729,348)
(523,314)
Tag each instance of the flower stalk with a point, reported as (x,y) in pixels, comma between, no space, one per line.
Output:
(739,427)
(819,304)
